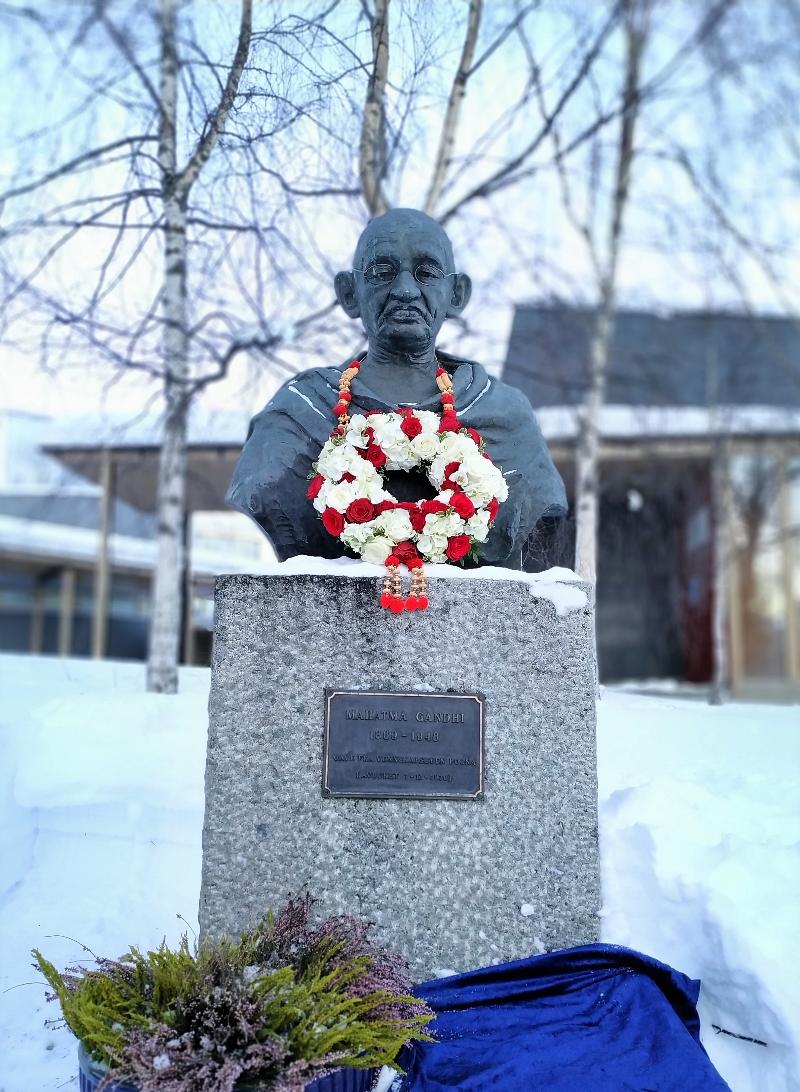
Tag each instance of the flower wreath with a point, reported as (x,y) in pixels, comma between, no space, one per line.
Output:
(347,489)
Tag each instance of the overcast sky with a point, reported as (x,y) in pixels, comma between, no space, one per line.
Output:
(519,247)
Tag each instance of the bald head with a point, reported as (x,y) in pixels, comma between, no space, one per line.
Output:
(403,284)
(396,223)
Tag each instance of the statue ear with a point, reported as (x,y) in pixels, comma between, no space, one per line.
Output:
(344,285)
(462,290)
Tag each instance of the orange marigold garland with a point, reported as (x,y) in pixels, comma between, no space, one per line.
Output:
(348,490)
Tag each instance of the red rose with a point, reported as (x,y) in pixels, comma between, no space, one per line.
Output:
(333,521)
(409,506)
(405,551)
(474,435)
(457,547)
(314,486)
(492,508)
(374,455)
(384,506)
(431,507)
(417,521)
(463,505)
(449,423)
(360,511)
(451,468)
(412,427)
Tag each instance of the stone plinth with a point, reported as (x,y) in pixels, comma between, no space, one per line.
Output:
(451,884)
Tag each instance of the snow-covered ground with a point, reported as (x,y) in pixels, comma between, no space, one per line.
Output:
(101,799)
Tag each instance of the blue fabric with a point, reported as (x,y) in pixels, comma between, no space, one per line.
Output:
(592,1019)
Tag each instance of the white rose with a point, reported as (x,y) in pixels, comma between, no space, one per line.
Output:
(399,456)
(425,447)
(386,429)
(429,422)
(363,471)
(480,495)
(376,550)
(356,534)
(397,524)
(460,476)
(449,447)
(478,526)
(341,495)
(473,460)
(333,461)
(444,523)
(436,469)
(428,545)
(375,491)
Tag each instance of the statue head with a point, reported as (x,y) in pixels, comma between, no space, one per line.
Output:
(403,283)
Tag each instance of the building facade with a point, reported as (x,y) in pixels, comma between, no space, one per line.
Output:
(699,487)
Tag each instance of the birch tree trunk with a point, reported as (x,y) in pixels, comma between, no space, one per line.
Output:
(372,145)
(587,453)
(166,614)
(587,498)
(452,115)
(162,664)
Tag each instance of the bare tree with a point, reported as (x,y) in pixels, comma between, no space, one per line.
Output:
(636,15)
(373,152)
(444,154)
(190,191)
(176,188)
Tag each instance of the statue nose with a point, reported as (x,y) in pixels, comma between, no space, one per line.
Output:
(404,285)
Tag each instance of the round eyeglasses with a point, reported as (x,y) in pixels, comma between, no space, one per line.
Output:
(384,272)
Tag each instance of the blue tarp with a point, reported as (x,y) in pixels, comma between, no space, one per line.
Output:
(592,1019)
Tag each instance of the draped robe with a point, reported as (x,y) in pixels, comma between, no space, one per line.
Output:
(271,477)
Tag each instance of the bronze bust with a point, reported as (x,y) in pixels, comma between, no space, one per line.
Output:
(402,287)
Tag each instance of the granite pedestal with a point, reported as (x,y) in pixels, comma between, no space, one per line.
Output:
(451,884)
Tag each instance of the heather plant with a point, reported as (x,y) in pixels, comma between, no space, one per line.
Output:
(282,1004)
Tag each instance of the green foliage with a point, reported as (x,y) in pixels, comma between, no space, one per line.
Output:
(283,996)
(99,1009)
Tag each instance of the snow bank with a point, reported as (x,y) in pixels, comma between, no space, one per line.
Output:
(101,797)
(101,807)
(700,852)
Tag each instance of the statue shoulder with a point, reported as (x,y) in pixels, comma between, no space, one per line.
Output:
(514,405)
(315,384)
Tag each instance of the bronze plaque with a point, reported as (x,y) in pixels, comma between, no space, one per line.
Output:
(385,745)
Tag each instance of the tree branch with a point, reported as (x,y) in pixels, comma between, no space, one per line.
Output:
(499,178)
(455,102)
(119,41)
(71,165)
(372,145)
(218,118)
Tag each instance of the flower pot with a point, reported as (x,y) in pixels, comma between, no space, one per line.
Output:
(90,1073)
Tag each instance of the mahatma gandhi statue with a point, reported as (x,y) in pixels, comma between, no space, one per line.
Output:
(402,287)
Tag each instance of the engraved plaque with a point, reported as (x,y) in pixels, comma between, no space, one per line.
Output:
(387,745)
